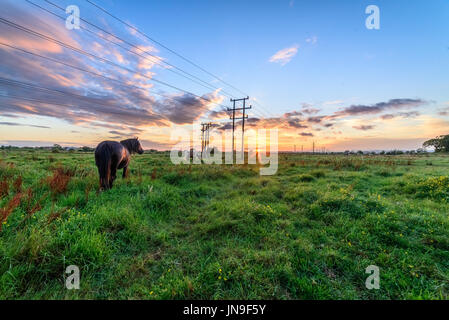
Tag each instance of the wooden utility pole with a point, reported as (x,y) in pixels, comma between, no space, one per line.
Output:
(205,135)
(208,126)
(313,147)
(203,129)
(243,109)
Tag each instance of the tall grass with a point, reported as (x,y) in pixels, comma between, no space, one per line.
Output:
(224,232)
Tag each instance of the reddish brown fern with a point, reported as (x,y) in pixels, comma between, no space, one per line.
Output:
(59,181)
(4,188)
(154,174)
(55,215)
(9,208)
(17,185)
(87,191)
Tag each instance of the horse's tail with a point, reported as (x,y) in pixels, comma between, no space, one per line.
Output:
(103,157)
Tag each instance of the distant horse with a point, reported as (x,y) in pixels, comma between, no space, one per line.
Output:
(111,155)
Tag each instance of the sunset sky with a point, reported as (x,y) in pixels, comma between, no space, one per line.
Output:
(311,68)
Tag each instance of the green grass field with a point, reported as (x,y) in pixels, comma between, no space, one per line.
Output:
(225,232)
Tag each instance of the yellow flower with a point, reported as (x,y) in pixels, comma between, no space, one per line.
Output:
(151,293)
(349,244)
(219,270)
(219,278)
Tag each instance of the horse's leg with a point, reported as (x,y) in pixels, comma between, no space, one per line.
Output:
(114,165)
(113,175)
(102,172)
(125,172)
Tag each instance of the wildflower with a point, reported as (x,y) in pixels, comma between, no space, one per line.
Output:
(219,278)
(219,270)
(151,293)
(349,244)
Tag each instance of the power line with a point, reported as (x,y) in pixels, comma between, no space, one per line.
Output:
(167,48)
(35,100)
(40,35)
(90,72)
(30,86)
(160,44)
(262,114)
(156,60)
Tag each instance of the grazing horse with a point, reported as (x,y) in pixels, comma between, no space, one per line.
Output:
(111,155)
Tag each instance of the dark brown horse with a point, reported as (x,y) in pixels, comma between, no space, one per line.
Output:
(111,155)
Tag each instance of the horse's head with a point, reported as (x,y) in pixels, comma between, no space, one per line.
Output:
(133,145)
(139,148)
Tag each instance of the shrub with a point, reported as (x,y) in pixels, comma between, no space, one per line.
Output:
(318,174)
(306,178)
(301,195)
(174,178)
(436,188)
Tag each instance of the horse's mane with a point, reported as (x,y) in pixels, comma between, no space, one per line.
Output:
(130,144)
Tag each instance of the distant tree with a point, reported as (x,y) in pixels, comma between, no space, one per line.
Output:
(421,150)
(394,152)
(441,143)
(86,149)
(56,148)
(360,152)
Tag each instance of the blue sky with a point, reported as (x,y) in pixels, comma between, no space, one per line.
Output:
(338,63)
(407,57)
